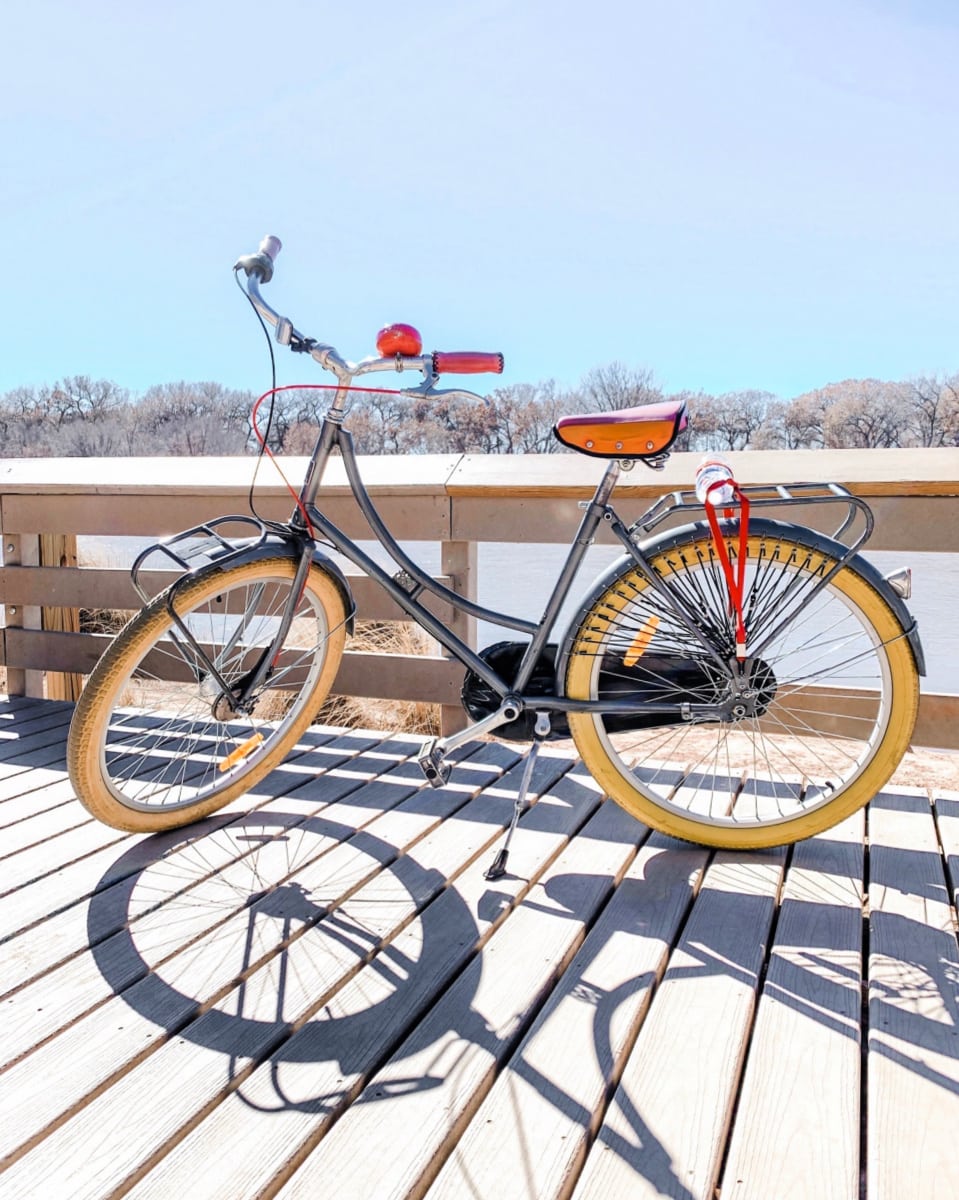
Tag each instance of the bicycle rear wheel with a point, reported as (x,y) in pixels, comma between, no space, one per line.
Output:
(154,743)
(835,692)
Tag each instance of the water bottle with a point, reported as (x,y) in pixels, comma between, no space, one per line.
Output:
(714,469)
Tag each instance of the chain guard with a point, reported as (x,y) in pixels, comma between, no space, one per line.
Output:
(504,658)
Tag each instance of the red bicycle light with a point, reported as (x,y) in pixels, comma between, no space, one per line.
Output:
(398,339)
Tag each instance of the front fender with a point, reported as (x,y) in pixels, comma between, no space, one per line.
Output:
(809,538)
(276,547)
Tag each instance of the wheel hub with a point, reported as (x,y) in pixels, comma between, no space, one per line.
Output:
(224,709)
(752,693)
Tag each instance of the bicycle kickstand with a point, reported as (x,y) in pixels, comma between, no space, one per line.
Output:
(497,868)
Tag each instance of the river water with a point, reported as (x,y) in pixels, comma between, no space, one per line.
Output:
(518,578)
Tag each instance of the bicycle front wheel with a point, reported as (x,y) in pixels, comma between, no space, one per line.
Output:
(834,693)
(155,742)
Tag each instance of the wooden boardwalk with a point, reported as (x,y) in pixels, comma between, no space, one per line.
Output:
(317,994)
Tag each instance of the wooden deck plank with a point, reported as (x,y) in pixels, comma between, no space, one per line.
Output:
(913,1061)
(530,1135)
(39,862)
(66,884)
(797,1125)
(53,736)
(208,852)
(42,798)
(192,968)
(664,1132)
(54,714)
(178,1079)
(306,1083)
(57,904)
(317,992)
(409,1131)
(26,772)
(946,807)
(42,828)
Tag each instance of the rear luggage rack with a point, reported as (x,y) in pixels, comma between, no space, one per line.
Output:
(769,496)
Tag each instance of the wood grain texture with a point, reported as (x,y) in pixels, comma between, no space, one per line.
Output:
(317,992)
(530,1136)
(796,1135)
(665,1130)
(913,1064)
(296,1092)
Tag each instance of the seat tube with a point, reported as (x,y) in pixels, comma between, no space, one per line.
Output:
(595,512)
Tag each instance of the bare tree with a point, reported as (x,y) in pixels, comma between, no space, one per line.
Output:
(525,414)
(604,389)
(803,420)
(78,397)
(703,428)
(933,403)
(864,413)
(739,415)
(194,418)
(81,416)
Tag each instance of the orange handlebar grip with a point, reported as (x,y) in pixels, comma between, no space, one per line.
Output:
(466,362)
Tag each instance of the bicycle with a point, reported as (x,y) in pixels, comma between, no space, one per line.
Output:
(737,681)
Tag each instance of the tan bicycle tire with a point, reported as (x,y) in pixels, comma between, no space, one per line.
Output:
(621,784)
(101,696)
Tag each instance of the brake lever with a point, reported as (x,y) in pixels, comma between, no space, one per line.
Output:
(426,391)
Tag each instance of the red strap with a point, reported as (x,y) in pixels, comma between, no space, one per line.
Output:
(736,585)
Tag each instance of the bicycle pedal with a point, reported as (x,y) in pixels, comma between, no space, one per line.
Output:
(433,765)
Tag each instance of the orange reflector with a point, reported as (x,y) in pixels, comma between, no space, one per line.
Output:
(640,642)
(241,752)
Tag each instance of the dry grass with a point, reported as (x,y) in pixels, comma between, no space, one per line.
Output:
(409,716)
(933,769)
(103,620)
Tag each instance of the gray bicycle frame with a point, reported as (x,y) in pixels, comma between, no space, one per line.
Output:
(332,436)
(411,581)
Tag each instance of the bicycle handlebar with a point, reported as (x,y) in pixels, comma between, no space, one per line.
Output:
(261,263)
(258,268)
(271,246)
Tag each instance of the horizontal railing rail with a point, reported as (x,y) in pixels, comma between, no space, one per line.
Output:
(53,602)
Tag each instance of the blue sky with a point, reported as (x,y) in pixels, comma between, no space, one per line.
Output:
(734,194)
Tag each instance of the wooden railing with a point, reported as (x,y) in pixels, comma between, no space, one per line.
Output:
(457,501)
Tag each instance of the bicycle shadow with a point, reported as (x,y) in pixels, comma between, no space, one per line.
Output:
(238,931)
(286,941)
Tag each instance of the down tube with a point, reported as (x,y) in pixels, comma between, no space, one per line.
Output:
(432,624)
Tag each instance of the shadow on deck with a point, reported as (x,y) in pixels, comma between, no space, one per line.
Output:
(316,992)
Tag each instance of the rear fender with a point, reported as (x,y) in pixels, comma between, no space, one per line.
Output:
(809,538)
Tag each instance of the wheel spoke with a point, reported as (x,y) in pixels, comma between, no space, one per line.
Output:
(822,700)
(155,734)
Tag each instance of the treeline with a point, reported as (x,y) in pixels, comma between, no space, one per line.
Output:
(79,416)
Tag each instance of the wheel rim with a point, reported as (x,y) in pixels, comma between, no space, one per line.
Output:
(163,748)
(805,742)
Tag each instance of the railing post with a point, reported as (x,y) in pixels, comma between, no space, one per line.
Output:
(23,550)
(459,561)
(60,550)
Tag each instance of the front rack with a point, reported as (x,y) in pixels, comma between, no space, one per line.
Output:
(196,548)
(673,504)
